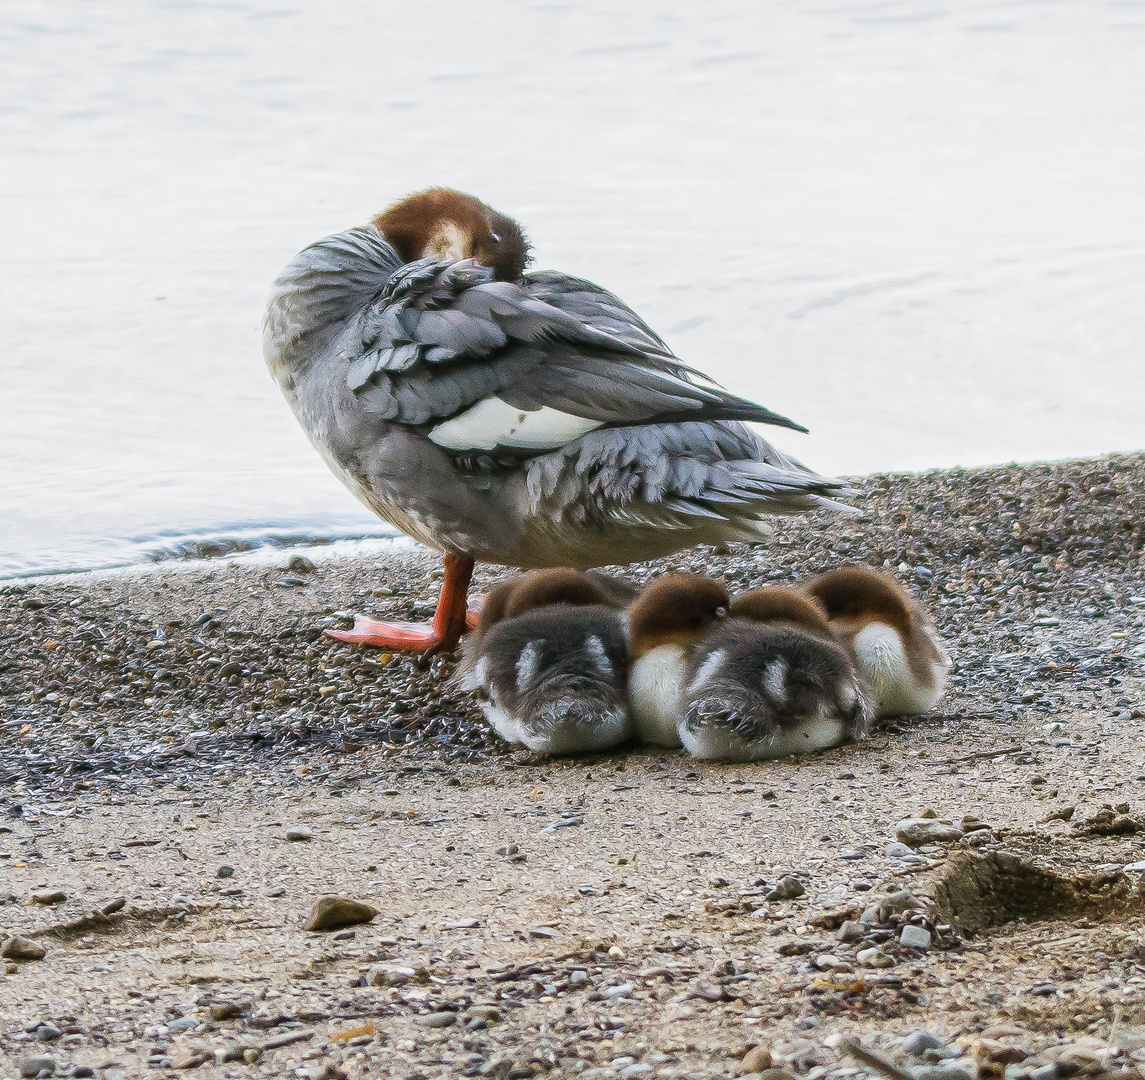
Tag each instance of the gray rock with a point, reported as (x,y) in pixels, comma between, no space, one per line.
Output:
(225,872)
(623,990)
(637,1069)
(47,1033)
(850,931)
(941,1072)
(896,850)
(389,975)
(49,896)
(914,937)
(787,888)
(37,1064)
(334,912)
(918,831)
(439,1020)
(578,977)
(918,1042)
(300,833)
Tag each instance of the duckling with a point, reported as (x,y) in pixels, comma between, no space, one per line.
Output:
(665,621)
(549,656)
(899,656)
(771,680)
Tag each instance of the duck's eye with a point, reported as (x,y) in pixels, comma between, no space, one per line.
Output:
(496,238)
(721,612)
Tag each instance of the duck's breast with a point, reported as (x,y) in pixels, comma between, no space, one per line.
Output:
(656,694)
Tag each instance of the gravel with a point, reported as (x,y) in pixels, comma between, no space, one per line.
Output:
(132,768)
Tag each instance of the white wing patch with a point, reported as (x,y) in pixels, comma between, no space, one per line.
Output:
(596,651)
(775,680)
(527,664)
(492,423)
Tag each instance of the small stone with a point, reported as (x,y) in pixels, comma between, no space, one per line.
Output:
(544,932)
(300,564)
(897,850)
(787,888)
(224,1010)
(851,931)
(49,896)
(874,957)
(334,912)
(439,1020)
(941,1072)
(578,977)
(21,948)
(914,937)
(755,1060)
(300,833)
(276,891)
(112,906)
(623,990)
(47,1033)
(389,975)
(225,872)
(897,902)
(776,1074)
(190,1059)
(485,1012)
(978,838)
(918,1042)
(918,831)
(638,1068)
(34,1066)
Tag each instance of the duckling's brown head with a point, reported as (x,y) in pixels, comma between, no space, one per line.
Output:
(449,225)
(854,594)
(541,588)
(778,604)
(675,610)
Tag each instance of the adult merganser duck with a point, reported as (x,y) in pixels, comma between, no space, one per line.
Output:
(530,421)
(899,656)
(664,624)
(770,680)
(549,657)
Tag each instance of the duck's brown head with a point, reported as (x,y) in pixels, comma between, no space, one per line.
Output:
(541,588)
(777,604)
(675,610)
(449,225)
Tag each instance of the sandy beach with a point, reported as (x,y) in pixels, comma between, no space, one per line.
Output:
(638,913)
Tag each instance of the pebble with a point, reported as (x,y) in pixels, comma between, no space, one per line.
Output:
(300,833)
(40,1063)
(21,948)
(225,872)
(278,890)
(851,931)
(941,1072)
(224,1010)
(918,1042)
(898,850)
(914,937)
(874,957)
(46,1033)
(389,975)
(637,1069)
(755,1060)
(918,831)
(439,1019)
(49,896)
(623,990)
(334,912)
(787,888)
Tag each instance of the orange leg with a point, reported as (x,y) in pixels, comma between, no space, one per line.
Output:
(449,621)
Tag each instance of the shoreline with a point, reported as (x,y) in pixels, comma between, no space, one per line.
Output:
(156,727)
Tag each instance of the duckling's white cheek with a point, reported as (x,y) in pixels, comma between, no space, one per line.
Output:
(503,723)
(478,678)
(656,691)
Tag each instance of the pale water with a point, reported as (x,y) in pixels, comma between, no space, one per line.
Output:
(918,230)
